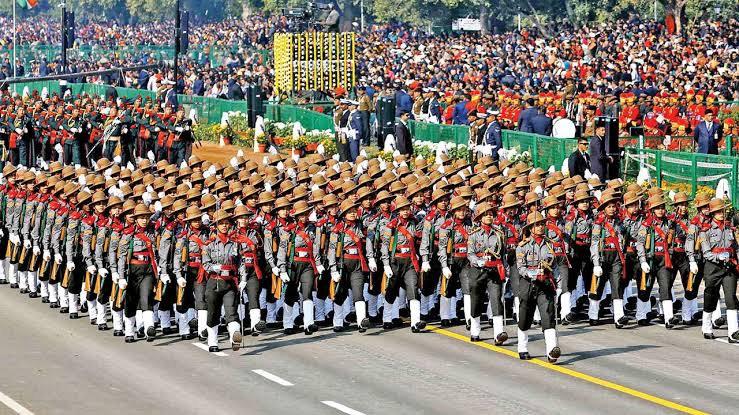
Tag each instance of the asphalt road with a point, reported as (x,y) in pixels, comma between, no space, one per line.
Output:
(52,365)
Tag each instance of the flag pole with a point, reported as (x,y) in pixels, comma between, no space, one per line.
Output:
(15,36)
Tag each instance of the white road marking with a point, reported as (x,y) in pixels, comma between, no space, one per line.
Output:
(205,347)
(15,406)
(722,340)
(343,408)
(273,378)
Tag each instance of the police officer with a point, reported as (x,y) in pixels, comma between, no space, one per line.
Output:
(485,251)
(222,262)
(354,130)
(537,289)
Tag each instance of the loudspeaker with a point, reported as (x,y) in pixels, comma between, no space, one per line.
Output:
(611,137)
(254,103)
(385,118)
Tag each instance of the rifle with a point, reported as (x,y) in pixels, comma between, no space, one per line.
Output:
(159,290)
(98,285)
(65,279)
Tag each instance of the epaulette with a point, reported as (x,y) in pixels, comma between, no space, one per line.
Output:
(63,210)
(524,241)
(271,226)
(76,215)
(117,227)
(599,220)
(447,224)
(182,234)
(89,220)
(31,197)
(339,227)
(430,215)
(572,215)
(321,222)
(128,230)
(103,221)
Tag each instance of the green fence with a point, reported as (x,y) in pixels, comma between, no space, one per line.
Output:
(310,120)
(216,55)
(457,134)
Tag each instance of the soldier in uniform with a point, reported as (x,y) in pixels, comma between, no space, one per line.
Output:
(182,128)
(248,235)
(562,244)
(401,262)
(579,225)
(607,247)
(348,250)
(226,278)
(26,276)
(654,247)
(700,222)
(104,255)
(137,271)
(169,228)
(680,260)
(719,247)
(453,237)
(430,265)
(296,261)
(74,128)
(78,228)
(324,225)
(113,129)
(271,245)
(632,219)
(58,238)
(509,221)
(537,289)
(374,225)
(485,253)
(188,269)
(7,191)
(41,214)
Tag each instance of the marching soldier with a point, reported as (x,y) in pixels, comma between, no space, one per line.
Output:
(401,262)
(182,129)
(7,193)
(429,251)
(374,226)
(607,247)
(348,251)
(324,225)
(296,261)
(26,275)
(485,251)
(654,247)
(579,225)
(271,245)
(700,222)
(222,262)
(41,214)
(58,238)
(453,238)
(106,245)
(719,248)
(537,287)
(632,220)
(137,271)
(509,221)
(80,229)
(680,260)
(169,228)
(248,235)
(188,269)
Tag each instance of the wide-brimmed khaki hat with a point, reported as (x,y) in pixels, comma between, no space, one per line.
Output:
(282,203)
(631,197)
(128,207)
(458,202)
(656,201)
(681,198)
(265,198)
(609,196)
(383,196)
(83,198)
(330,200)
(114,201)
(346,206)
(581,196)
(103,164)
(481,209)
(141,210)
(207,201)
(301,207)
(221,215)
(167,201)
(510,200)
(240,212)
(193,213)
(179,205)
(716,205)
(401,202)
(533,218)
(550,201)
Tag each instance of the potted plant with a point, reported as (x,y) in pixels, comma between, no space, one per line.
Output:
(262,143)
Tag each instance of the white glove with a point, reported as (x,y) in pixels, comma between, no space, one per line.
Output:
(164,278)
(2,233)
(36,250)
(181,282)
(18,131)
(597,270)
(178,129)
(242,286)
(320,269)
(103,273)
(425,267)
(284,277)
(58,259)
(27,244)
(372,265)
(217,268)
(70,265)
(115,276)
(693,267)
(336,276)
(388,271)
(157,206)
(446,272)
(92,270)
(645,267)
(122,284)
(724,256)
(47,255)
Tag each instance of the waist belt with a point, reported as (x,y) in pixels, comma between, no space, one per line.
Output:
(140,258)
(678,250)
(194,264)
(351,251)
(403,250)
(140,262)
(114,138)
(248,261)
(460,251)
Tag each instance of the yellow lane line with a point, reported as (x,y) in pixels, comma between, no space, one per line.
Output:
(573,373)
